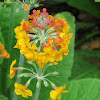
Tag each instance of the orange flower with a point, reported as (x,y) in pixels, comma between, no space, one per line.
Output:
(26,7)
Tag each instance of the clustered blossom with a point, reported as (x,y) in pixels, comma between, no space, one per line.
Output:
(43,38)
(4,54)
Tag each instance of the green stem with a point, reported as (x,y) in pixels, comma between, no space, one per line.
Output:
(39,85)
(21,60)
(38,90)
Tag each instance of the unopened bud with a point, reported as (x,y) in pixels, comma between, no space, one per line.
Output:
(47,14)
(42,27)
(44,10)
(44,22)
(52,20)
(48,23)
(34,11)
(38,25)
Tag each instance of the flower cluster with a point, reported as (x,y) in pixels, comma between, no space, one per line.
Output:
(43,38)
(4,54)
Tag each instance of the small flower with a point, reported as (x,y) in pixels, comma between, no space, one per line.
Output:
(4,54)
(56,94)
(13,69)
(22,90)
(26,7)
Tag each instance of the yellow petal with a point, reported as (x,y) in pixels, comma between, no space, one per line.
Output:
(66,28)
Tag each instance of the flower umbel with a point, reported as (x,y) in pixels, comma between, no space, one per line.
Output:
(56,94)
(44,38)
(22,90)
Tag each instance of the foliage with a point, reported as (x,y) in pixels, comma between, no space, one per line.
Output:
(85,5)
(84,89)
(97,0)
(86,65)
(3,97)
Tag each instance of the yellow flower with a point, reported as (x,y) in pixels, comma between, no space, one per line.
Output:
(22,90)
(56,94)
(13,69)
(12,72)
(26,7)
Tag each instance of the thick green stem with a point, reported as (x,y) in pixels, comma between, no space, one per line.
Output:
(39,85)
(38,90)
(21,60)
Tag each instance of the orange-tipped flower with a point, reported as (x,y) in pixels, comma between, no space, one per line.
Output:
(13,69)
(4,54)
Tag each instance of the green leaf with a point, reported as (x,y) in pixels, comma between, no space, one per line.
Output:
(81,25)
(3,97)
(86,65)
(85,5)
(97,0)
(2,41)
(85,89)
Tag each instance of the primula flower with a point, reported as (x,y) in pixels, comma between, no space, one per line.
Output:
(4,54)
(22,90)
(26,7)
(13,69)
(43,38)
(56,94)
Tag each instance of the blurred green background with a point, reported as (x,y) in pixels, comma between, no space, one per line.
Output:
(80,70)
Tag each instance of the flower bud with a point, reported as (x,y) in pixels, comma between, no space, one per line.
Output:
(42,27)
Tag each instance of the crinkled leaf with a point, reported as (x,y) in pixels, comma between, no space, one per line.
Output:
(84,89)
(86,65)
